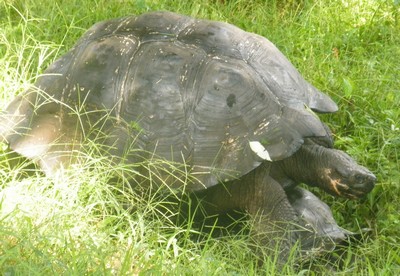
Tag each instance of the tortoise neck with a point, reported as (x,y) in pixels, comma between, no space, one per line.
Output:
(306,165)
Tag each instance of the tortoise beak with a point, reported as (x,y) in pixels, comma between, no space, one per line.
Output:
(364,183)
(355,186)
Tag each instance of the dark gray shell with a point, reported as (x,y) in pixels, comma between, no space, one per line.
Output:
(203,93)
(320,229)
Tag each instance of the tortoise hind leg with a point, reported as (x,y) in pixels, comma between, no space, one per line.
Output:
(49,140)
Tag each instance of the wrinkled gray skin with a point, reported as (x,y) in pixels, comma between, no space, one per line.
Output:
(223,102)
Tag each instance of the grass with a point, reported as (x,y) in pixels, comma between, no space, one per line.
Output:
(78,224)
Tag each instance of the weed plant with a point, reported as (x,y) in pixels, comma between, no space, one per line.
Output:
(79,224)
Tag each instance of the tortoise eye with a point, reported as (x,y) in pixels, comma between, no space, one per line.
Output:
(359,178)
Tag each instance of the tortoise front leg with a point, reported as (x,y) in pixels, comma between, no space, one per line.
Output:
(265,201)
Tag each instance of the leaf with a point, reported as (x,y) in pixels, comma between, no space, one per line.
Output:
(347,87)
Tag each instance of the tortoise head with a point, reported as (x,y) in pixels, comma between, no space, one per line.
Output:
(340,175)
(329,169)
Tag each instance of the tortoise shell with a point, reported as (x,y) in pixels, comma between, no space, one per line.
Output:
(201,93)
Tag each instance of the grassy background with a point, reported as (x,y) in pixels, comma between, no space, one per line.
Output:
(75,225)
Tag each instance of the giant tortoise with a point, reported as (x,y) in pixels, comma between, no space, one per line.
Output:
(224,104)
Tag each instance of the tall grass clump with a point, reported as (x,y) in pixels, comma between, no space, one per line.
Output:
(88,220)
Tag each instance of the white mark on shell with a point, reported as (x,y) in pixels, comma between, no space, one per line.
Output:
(260,150)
